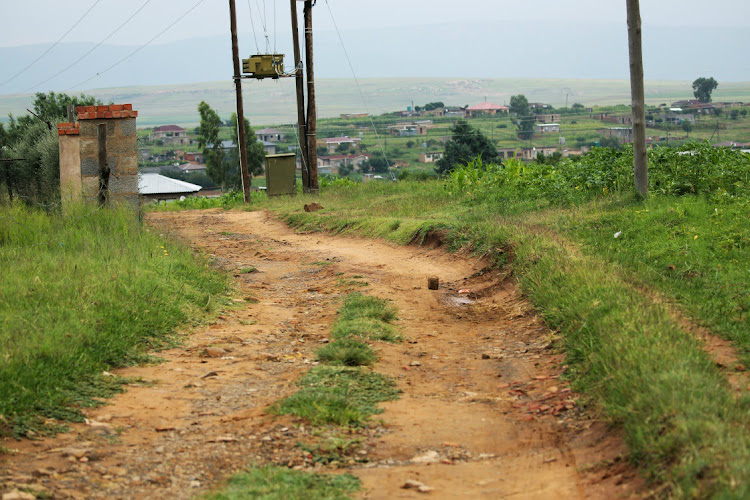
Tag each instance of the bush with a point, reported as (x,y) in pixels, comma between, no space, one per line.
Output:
(694,168)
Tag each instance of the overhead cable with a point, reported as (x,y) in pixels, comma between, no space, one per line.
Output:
(139,48)
(53,45)
(93,48)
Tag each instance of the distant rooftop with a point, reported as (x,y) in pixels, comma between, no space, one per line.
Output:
(169,128)
(487,106)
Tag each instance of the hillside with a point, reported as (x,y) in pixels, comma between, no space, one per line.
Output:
(273,102)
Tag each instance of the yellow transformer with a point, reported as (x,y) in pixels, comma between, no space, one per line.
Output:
(264,65)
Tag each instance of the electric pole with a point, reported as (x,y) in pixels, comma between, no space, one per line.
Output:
(241,140)
(301,121)
(640,157)
(312,152)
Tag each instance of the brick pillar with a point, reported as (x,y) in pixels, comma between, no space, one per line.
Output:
(70,162)
(122,151)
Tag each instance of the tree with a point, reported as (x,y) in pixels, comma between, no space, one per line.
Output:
(702,88)
(54,107)
(410,144)
(735,113)
(208,140)
(376,164)
(577,106)
(323,151)
(256,154)
(743,112)
(525,127)
(687,127)
(430,106)
(519,105)
(464,146)
(343,148)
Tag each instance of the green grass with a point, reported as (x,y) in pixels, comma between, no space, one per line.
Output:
(342,396)
(278,483)
(365,317)
(83,293)
(693,249)
(624,350)
(347,352)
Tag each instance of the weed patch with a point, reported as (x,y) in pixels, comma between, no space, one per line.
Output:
(347,352)
(279,483)
(338,395)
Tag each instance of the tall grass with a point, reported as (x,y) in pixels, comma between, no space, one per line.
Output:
(83,293)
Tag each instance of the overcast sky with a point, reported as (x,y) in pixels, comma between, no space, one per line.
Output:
(44,21)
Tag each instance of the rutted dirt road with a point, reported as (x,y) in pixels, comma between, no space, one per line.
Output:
(482,413)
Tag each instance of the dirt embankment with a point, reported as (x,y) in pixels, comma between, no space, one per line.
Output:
(483,413)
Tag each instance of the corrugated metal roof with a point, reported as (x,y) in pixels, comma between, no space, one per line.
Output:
(159,184)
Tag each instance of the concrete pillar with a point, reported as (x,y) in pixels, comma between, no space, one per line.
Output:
(70,162)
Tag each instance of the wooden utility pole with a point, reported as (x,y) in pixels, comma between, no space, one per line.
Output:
(240,110)
(312,152)
(301,122)
(638,98)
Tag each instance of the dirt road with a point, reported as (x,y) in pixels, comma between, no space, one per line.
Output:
(483,413)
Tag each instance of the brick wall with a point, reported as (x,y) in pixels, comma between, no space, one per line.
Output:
(122,150)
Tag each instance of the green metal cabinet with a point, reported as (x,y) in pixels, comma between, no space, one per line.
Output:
(280,174)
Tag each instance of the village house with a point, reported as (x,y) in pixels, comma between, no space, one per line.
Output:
(430,157)
(623,134)
(269,135)
(549,118)
(695,105)
(194,157)
(547,128)
(677,118)
(410,129)
(619,120)
(333,142)
(170,134)
(486,108)
(192,168)
(530,154)
(507,153)
(454,111)
(539,106)
(331,164)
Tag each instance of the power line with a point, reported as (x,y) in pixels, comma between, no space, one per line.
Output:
(139,48)
(252,23)
(53,45)
(359,87)
(93,49)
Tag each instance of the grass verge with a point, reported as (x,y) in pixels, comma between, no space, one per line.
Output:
(81,294)
(279,483)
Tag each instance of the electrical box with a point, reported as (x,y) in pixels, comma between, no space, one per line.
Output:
(281,174)
(264,66)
